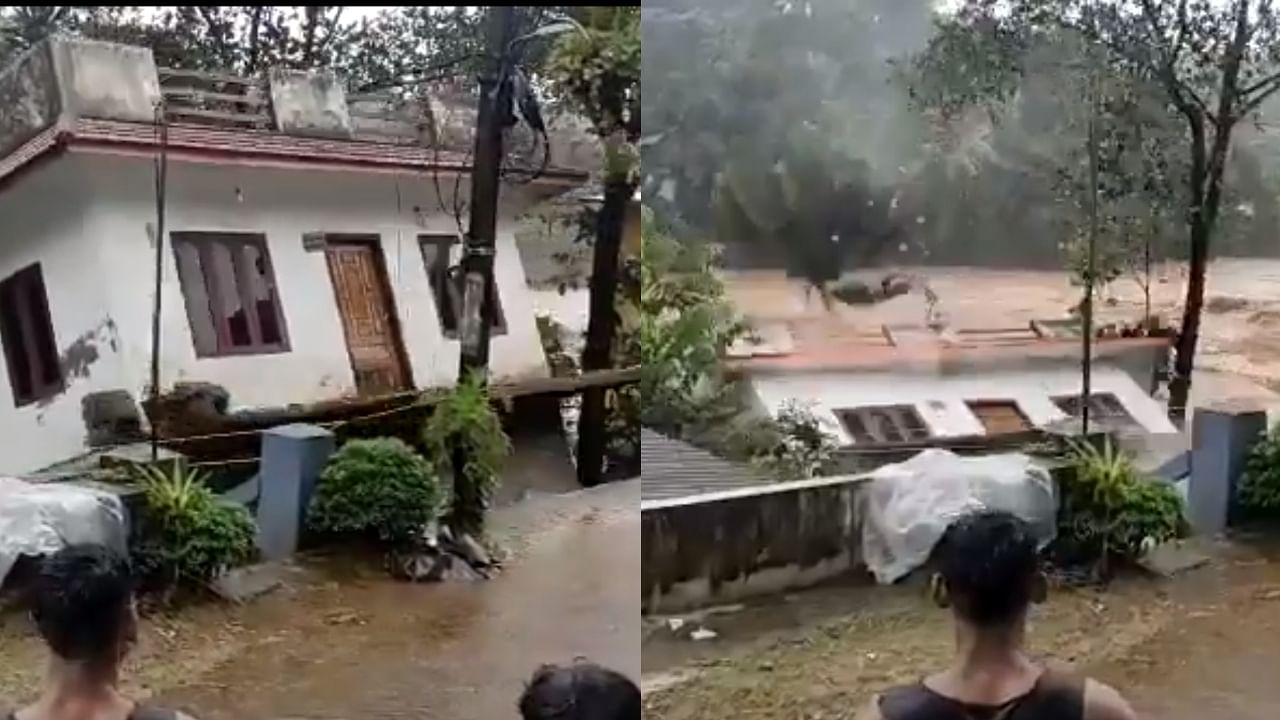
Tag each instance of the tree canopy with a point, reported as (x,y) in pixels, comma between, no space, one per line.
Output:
(774,125)
(398,46)
(1208,67)
(968,129)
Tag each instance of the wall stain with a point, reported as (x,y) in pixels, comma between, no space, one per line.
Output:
(82,353)
(77,357)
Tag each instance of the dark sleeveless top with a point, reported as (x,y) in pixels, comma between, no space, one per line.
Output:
(140,712)
(1054,697)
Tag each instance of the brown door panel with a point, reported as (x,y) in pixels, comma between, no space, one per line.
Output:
(364,303)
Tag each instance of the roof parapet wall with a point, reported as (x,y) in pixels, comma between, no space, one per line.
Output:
(67,78)
(64,80)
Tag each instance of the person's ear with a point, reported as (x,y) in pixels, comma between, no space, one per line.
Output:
(1039,588)
(938,591)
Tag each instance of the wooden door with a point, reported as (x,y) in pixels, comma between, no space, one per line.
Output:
(368,317)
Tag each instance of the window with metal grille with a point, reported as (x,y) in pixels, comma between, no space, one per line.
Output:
(999,417)
(26,330)
(884,425)
(230,292)
(448,283)
(1102,407)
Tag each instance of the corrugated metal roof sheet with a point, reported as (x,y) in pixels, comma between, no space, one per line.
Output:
(674,469)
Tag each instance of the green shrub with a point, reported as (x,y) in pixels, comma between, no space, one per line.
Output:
(1109,510)
(377,488)
(189,536)
(1259,492)
(466,422)
(794,444)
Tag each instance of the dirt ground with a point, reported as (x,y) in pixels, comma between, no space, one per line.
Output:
(344,641)
(1200,645)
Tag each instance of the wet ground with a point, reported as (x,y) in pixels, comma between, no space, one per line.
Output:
(1201,645)
(338,642)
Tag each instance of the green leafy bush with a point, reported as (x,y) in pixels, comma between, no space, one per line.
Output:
(1259,492)
(189,536)
(793,445)
(465,422)
(1109,510)
(378,488)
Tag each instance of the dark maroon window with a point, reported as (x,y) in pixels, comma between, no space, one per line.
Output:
(26,331)
(230,292)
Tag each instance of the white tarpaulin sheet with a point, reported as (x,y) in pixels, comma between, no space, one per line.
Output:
(41,518)
(905,508)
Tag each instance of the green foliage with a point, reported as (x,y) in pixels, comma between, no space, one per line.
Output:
(1108,509)
(1260,486)
(188,536)
(378,488)
(793,445)
(685,325)
(396,47)
(599,69)
(773,125)
(465,422)
(1157,76)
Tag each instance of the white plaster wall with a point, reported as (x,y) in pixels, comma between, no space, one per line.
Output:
(42,219)
(284,204)
(940,400)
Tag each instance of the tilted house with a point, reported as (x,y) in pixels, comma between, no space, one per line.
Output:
(307,248)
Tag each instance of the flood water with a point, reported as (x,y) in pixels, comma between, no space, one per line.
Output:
(360,645)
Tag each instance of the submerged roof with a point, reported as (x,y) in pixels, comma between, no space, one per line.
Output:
(832,344)
(675,469)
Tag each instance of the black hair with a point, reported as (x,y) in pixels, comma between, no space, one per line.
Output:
(81,601)
(583,691)
(989,561)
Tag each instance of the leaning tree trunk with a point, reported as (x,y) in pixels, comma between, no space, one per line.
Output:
(1206,180)
(598,353)
(1189,335)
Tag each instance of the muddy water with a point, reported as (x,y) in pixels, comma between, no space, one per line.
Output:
(344,644)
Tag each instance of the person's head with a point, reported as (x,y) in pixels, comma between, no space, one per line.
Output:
(988,570)
(83,605)
(583,691)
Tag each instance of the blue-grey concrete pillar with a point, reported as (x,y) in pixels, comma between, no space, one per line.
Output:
(1221,435)
(292,458)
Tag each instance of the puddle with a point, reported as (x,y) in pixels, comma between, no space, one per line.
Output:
(372,647)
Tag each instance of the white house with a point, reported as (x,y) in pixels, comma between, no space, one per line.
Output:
(881,388)
(302,262)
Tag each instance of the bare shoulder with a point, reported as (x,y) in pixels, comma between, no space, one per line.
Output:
(1103,702)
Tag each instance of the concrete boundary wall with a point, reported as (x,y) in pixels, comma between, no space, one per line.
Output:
(725,546)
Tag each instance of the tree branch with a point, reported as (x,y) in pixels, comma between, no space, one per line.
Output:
(1183,94)
(1260,84)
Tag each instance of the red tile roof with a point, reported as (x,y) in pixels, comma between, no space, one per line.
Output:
(830,344)
(220,145)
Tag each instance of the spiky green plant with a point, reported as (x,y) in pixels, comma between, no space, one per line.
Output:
(464,432)
(187,535)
